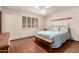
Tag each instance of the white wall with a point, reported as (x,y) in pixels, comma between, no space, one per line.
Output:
(73,23)
(12,22)
(0,8)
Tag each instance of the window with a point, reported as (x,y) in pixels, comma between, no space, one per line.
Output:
(29,22)
(23,21)
(33,22)
(36,21)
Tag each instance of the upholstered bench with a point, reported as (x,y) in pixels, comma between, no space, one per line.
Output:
(4,42)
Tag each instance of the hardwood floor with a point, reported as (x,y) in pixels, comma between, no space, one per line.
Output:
(28,45)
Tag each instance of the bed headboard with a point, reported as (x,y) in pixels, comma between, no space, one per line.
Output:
(58,27)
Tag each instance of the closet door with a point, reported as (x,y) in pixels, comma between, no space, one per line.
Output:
(0,22)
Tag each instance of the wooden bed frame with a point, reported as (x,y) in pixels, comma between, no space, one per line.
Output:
(45,41)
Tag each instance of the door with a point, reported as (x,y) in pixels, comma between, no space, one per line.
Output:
(0,22)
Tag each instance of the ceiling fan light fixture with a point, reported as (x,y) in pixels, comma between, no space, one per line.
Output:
(42,7)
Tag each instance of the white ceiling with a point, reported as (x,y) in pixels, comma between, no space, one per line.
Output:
(34,10)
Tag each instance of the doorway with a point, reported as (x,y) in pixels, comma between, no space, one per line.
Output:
(0,22)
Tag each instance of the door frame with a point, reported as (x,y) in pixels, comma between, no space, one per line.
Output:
(0,22)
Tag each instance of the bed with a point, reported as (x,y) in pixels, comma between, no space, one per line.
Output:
(56,35)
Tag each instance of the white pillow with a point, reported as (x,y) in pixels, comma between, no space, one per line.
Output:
(63,28)
(53,28)
(56,28)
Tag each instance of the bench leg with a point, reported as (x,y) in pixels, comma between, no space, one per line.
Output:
(4,49)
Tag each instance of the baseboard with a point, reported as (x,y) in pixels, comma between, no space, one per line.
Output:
(22,38)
